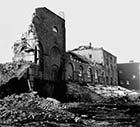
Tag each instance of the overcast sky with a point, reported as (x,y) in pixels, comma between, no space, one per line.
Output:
(111,24)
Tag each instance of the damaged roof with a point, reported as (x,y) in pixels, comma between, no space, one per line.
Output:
(80,57)
(83,47)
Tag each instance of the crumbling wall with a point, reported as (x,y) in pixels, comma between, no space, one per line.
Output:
(13,78)
(9,71)
(50,30)
(44,45)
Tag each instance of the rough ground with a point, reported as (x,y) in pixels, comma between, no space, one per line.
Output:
(28,109)
(79,93)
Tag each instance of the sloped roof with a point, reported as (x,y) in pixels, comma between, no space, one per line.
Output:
(83,47)
(80,57)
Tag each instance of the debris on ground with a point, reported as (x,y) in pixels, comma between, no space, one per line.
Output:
(78,93)
(101,94)
(116,95)
(87,106)
(27,107)
(112,91)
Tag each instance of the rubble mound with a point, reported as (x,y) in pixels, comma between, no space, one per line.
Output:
(116,95)
(78,93)
(26,108)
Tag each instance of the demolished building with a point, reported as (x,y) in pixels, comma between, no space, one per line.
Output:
(107,60)
(81,69)
(41,64)
(44,46)
(52,67)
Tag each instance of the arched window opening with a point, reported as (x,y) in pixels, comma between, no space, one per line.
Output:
(38,57)
(81,71)
(96,74)
(89,74)
(55,52)
(70,72)
(54,73)
(107,80)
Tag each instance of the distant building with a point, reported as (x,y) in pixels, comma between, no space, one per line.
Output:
(102,57)
(129,75)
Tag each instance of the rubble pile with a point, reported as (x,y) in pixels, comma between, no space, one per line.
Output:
(78,93)
(101,94)
(11,70)
(28,107)
(112,91)
(115,94)
(106,105)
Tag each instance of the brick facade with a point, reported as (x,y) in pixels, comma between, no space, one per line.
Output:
(80,69)
(103,58)
(50,30)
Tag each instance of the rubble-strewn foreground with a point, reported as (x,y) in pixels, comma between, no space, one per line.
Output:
(88,105)
(28,109)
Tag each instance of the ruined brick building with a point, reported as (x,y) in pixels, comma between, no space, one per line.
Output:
(103,58)
(44,44)
(81,69)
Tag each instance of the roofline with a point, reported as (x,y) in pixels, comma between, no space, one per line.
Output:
(51,12)
(101,48)
(129,63)
(109,52)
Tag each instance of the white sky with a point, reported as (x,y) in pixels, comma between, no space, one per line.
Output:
(111,24)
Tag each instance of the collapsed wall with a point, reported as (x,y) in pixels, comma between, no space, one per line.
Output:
(13,78)
(11,70)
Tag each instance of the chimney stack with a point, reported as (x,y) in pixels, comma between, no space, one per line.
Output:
(90,45)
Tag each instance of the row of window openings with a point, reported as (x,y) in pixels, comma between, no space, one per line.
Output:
(89,73)
(90,56)
(127,82)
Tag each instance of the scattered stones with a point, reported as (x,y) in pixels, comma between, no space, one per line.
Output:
(26,107)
